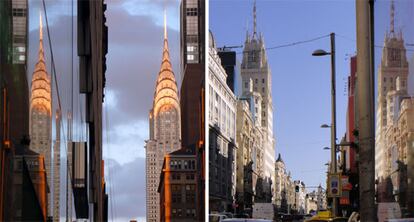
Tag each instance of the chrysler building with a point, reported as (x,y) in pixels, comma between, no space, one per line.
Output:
(165,130)
(41,117)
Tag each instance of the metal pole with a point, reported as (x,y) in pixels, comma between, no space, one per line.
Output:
(365,109)
(333,114)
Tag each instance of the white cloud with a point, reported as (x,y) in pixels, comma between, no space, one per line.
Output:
(126,142)
(155,10)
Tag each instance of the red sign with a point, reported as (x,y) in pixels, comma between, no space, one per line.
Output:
(344,201)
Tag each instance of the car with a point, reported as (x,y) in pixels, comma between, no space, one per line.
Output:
(326,216)
(216,217)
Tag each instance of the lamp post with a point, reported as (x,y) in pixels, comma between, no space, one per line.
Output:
(321,52)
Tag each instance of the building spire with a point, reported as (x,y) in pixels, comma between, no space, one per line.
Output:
(40,26)
(165,23)
(254,19)
(392,17)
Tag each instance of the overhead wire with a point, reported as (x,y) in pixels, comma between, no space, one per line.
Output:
(289,44)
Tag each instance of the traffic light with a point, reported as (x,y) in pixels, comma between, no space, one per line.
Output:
(297,189)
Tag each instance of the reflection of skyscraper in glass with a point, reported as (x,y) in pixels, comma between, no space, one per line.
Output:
(165,130)
(19,12)
(41,112)
(393,67)
(192,33)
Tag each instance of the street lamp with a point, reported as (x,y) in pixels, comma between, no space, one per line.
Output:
(325,126)
(326,148)
(321,52)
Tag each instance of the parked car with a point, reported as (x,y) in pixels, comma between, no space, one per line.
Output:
(326,216)
(217,217)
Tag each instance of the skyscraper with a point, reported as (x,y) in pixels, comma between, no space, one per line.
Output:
(41,114)
(192,47)
(165,129)
(20,21)
(222,134)
(255,67)
(393,65)
(92,50)
(192,33)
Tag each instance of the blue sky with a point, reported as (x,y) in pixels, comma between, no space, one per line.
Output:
(301,83)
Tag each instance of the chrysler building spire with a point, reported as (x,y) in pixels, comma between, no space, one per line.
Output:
(40,27)
(165,24)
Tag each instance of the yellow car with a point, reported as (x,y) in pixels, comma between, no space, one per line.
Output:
(326,216)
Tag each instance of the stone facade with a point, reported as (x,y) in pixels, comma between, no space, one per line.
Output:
(255,68)
(250,150)
(222,135)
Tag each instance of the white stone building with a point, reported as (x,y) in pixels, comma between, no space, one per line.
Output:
(250,147)
(222,134)
(255,67)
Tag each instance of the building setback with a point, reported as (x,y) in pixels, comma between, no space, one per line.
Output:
(178,187)
(165,130)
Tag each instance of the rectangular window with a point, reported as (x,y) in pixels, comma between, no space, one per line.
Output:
(19,12)
(190,57)
(190,48)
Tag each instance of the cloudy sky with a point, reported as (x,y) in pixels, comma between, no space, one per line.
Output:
(133,62)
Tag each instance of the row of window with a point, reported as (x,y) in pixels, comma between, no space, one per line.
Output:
(19,12)
(188,176)
(192,12)
(183,164)
(178,212)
